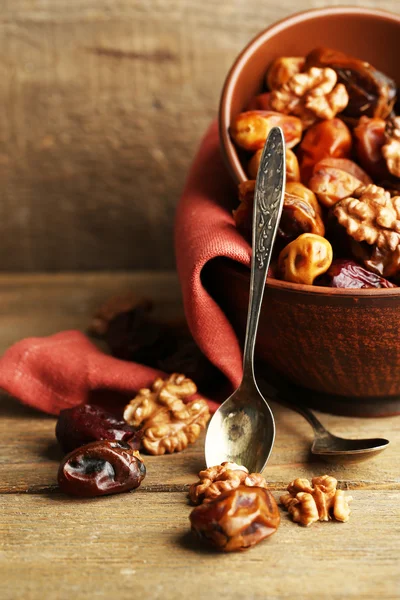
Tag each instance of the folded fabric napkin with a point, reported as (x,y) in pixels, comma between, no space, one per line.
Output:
(66,369)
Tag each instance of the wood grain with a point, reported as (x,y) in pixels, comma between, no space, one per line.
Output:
(30,456)
(139,544)
(103,105)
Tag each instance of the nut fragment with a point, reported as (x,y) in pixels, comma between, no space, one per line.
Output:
(391,149)
(250,129)
(336,178)
(292,165)
(311,95)
(222,478)
(282,69)
(371,215)
(304,259)
(237,519)
(319,501)
(169,424)
(101,468)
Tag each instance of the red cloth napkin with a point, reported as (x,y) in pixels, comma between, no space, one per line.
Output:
(65,369)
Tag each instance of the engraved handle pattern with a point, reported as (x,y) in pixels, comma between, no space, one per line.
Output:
(268,202)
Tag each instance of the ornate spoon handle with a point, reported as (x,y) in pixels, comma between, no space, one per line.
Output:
(268,202)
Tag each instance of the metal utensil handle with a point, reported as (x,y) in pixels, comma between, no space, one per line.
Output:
(267,210)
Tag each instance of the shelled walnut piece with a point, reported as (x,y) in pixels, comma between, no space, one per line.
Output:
(311,95)
(168,423)
(222,478)
(318,501)
(371,215)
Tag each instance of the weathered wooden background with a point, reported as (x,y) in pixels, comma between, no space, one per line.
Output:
(103,103)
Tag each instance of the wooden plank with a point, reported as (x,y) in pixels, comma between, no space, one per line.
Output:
(30,456)
(139,545)
(40,304)
(103,105)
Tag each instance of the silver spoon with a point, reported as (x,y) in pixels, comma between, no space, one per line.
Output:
(243,428)
(327,446)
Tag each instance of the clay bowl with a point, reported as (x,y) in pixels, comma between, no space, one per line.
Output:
(341,347)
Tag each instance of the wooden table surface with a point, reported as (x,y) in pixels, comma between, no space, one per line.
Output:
(138,545)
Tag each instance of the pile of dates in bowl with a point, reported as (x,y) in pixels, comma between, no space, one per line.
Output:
(340,224)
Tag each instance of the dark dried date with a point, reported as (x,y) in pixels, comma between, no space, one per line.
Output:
(89,423)
(349,274)
(371,92)
(101,468)
(237,519)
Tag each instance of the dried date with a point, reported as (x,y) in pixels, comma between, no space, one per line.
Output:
(101,468)
(325,139)
(369,138)
(371,92)
(250,129)
(87,423)
(237,519)
(348,274)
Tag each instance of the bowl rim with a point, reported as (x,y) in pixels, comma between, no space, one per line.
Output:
(229,153)
(277,284)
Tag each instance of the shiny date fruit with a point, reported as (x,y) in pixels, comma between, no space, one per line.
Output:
(348,274)
(336,178)
(292,165)
(250,129)
(88,423)
(101,468)
(369,137)
(325,139)
(305,259)
(301,213)
(371,92)
(237,519)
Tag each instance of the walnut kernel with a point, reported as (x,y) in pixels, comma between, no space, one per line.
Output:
(221,478)
(314,94)
(317,501)
(371,215)
(168,423)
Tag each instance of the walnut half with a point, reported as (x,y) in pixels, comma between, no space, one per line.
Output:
(371,215)
(317,501)
(222,478)
(168,423)
(311,95)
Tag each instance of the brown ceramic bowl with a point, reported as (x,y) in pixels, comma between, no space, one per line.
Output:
(341,346)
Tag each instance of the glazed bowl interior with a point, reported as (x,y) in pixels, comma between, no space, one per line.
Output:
(367,34)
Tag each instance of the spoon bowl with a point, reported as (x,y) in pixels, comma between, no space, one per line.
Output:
(330,448)
(334,449)
(242,430)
